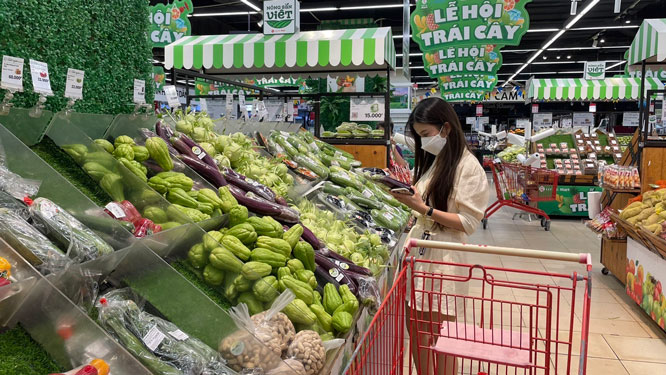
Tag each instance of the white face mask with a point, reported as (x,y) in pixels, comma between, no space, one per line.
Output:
(434,144)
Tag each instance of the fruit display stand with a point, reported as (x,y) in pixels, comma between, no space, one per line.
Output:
(304,54)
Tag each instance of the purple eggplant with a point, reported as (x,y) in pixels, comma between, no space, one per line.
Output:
(333,255)
(327,269)
(212,174)
(182,147)
(280,200)
(255,204)
(310,238)
(248,185)
(163,131)
(205,158)
(287,214)
(348,266)
(152,167)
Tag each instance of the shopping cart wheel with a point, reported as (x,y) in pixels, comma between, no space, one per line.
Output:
(484,221)
(547,225)
(604,271)
(543,222)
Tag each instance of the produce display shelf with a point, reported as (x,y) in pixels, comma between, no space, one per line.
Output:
(355,141)
(616,190)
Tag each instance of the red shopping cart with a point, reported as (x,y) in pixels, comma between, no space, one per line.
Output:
(510,321)
(519,185)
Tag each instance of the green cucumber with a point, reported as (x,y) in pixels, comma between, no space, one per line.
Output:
(333,189)
(307,162)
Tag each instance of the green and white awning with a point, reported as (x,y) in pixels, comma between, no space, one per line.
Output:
(582,89)
(325,50)
(649,43)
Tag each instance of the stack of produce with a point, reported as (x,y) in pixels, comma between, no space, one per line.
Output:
(365,250)
(52,238)
(257,197)
(234,151)
(354,130)
(254,260)
(510,154)
(159,344)
(649,213)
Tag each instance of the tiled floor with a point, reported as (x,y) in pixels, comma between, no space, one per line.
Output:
(623,340)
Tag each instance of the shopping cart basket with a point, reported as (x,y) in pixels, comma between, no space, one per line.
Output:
(519,185)
(509,322)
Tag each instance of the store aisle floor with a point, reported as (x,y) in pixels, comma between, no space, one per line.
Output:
(623,340)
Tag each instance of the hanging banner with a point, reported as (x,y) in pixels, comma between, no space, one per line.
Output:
(169,22)
(281,17)
(159,77)
(505,95)
(651,71)
(595,70)
(462,38)
(480,59)
(467,82)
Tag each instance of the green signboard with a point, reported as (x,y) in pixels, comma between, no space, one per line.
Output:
(463,39)
(205,87)
(570,201)
(169,22)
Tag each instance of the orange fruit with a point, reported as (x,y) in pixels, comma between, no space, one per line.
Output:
(101,366)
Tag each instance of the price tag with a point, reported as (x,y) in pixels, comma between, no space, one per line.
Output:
(116,210)
(366,109)
(74,85)
(367,193)
(153,338)
(254,108)
(198,152)
(241,99)
(179,335)
(139,91)
(41,82)
(230,106)
(172,96)
(12,73)
(286,112)
(203,105)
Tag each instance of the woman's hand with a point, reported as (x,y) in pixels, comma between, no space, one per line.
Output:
(415,202)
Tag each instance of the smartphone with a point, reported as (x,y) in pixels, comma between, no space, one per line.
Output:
(402,190)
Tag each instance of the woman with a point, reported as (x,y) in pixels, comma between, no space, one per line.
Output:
(451,194)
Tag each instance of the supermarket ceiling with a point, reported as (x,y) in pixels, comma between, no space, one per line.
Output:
(599,35)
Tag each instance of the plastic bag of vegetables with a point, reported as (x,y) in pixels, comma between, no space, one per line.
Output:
(30,243)
(308,349)
(65,229)
(164,347)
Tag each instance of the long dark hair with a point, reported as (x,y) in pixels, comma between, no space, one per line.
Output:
(435,111)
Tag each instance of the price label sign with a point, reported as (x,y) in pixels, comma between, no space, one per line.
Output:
(203,105)
(74,85)
(241,99)
(366,109)
(41,81)
(172,96)
(12,73)
(139,91)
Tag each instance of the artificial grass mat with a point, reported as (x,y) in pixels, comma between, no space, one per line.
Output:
(67,167)
(21,355)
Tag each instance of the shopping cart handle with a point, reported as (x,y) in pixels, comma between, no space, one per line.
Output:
(583,258)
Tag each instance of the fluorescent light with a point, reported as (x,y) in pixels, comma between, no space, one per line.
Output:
(582,48)
(220,14)
(370,6)
(614,65)
(605,27)
(246,2)
(541,30)
(580,15)
(553,39)
(411,54)
(519,50)
(426,83)
(417,67)
(327,9)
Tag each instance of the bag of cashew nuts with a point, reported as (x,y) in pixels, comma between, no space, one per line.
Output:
(258,343)
(308,349)
(276,321)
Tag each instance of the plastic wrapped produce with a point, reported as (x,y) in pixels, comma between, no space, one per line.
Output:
(64,228)
(30,243)
(162,339)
